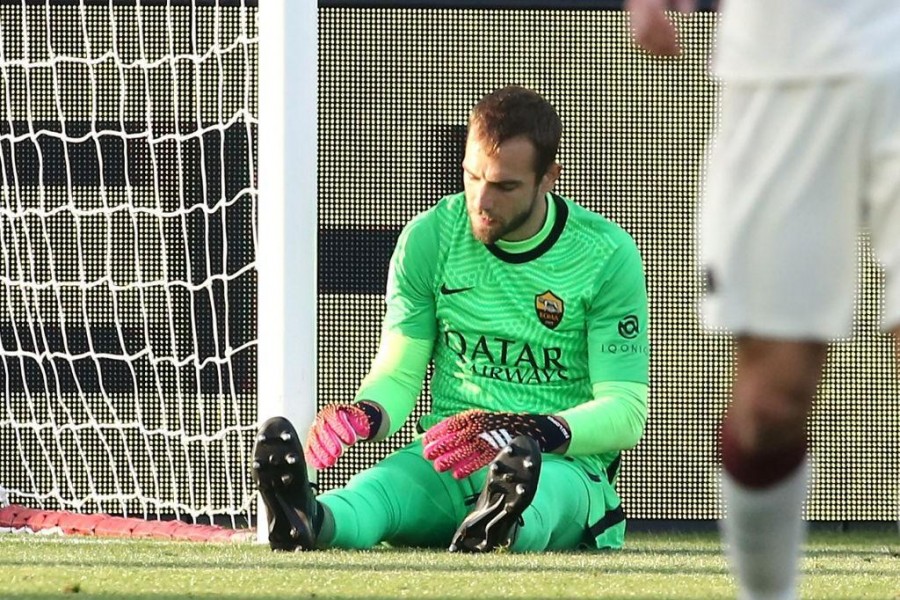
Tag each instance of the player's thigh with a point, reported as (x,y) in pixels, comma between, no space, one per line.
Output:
(883,187)
(576,504)
(781,209)
(423,507)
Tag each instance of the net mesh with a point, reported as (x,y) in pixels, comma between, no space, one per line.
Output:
(127,245)
(395,88)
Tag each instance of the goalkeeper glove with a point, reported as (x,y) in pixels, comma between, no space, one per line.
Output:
(338,426)
(470,440)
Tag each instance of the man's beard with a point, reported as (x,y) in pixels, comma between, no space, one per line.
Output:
(490,236)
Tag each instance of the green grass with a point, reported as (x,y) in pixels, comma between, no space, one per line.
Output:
(837,565)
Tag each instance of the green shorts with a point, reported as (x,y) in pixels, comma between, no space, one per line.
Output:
(402,500)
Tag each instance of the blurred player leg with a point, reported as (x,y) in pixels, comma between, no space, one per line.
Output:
(780,225)
(883,191)
(883,195)
(764,439)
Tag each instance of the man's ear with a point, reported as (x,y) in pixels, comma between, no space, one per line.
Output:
(550,177)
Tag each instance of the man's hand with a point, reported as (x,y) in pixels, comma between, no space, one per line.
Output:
(468,441)
(652,29)
(336,427)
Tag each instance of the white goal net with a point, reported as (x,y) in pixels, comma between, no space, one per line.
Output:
(128,201)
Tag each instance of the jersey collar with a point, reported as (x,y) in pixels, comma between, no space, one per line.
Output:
(539,243)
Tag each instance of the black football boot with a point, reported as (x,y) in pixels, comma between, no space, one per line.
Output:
(279,471)
(508,490)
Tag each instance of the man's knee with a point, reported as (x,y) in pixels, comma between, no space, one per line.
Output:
(774,389)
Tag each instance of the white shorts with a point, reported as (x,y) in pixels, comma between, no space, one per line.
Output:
(795,171)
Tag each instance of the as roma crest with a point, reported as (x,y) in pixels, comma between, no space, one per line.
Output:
(550,308)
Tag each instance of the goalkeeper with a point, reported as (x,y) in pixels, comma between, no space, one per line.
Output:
(533,311)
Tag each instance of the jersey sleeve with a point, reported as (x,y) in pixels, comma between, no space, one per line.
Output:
(618,348)
(408,330)
(395,379)
(410,286)
(613,421)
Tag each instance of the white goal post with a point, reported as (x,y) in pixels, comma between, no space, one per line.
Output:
(157,249)
(288,224)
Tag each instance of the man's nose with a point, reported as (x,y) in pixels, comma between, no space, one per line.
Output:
(483,199)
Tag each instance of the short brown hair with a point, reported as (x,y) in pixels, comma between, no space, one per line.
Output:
(513,111)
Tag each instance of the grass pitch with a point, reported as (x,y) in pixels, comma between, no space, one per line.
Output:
(685,566)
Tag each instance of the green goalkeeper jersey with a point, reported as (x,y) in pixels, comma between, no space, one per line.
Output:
(525,326)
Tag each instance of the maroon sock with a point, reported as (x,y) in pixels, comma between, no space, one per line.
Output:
(758,470)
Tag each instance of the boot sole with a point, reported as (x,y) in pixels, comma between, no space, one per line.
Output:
(279,473)
(509,489)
